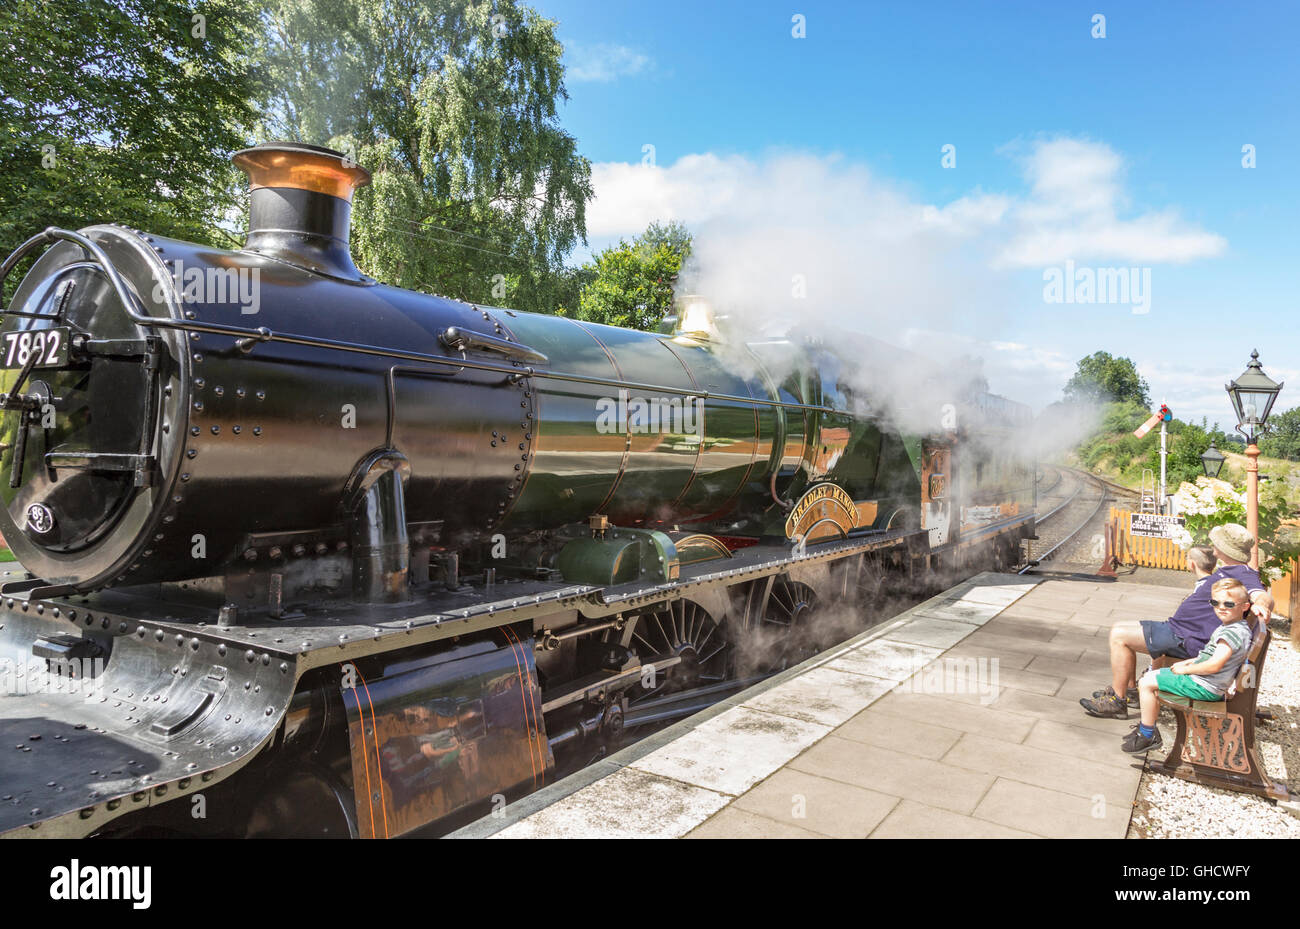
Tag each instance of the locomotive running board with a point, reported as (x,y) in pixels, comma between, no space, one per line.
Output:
(87,741)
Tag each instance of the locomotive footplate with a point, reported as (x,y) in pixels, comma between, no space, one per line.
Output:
(146,713)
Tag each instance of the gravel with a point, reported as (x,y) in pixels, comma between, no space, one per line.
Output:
(1169,807)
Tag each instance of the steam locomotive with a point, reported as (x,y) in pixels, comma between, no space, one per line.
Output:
(304,554)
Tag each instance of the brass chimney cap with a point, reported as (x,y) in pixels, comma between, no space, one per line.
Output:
(299,166)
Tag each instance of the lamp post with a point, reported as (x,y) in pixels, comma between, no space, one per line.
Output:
(1252,396)
(1212,460)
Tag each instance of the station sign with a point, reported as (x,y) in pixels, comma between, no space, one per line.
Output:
(1155,525)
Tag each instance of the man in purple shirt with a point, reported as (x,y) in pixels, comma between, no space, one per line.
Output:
(1186,632)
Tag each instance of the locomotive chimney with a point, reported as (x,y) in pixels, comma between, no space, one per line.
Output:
(301,206)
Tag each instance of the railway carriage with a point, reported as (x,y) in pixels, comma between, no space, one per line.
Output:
(349,560)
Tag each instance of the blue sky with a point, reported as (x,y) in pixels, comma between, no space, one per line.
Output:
(823,155)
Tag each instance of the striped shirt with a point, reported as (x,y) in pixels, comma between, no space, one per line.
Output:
(1237,636)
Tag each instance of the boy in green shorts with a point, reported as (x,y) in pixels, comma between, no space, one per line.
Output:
(1205,677)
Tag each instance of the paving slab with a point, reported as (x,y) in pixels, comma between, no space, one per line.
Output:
(1053,813)
(911,820)
(732,752)
(823,695)
(925,630)
(928,740)
(886,659)
(666,808)
(818,804)
(1043,767)
(1081,742)
(735,823)
(986,720)
(897,773)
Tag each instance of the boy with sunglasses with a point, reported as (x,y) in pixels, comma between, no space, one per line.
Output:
(1205,677)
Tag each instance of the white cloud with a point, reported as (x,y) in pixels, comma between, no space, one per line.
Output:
(1073,212)
(820,242)
(602,62)
(1194,391)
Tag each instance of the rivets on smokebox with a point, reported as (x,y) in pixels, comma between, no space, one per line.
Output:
(198,356)
(257,430)
(219,390)
(198,383)
(261,395)
(198,406)
(236,429)
(191,452)
(239,392)
(216,430)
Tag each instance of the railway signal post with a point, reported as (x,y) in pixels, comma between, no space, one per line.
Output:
(1162,416)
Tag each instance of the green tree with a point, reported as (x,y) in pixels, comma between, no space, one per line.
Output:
(122,111)
(1283,436)
(478,192)
(1102,378)
(633,282)
(1186,443)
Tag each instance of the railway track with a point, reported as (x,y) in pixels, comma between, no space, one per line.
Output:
(1068,506)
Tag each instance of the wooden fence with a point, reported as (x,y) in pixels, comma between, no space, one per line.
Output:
(1141,550)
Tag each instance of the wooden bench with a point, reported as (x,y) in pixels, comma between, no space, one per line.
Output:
(1215,743)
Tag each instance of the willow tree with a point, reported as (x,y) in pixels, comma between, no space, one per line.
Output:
(477,191)
(122,111)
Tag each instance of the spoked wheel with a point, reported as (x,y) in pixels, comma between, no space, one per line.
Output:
(784,635)
(688,631)
(871,586)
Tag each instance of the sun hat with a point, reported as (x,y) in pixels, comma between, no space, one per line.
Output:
(1234,540)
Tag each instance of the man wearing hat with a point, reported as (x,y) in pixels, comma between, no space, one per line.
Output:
(1185,633)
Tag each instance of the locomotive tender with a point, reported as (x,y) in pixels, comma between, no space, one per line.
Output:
(350,560)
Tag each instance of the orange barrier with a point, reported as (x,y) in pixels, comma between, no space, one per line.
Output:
(1286,591)
(1141,550)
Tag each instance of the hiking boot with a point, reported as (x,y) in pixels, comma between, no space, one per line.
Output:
(1130,695)
(1135,743)
(1107,706)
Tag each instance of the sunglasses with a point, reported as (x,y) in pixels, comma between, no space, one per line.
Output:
(1226,604)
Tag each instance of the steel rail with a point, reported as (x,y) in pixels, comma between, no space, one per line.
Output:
(1095,510)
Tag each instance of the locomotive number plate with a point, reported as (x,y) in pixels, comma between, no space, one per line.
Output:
(50,346)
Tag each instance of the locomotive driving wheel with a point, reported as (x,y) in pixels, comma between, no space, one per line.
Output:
(690,632)
(784,634)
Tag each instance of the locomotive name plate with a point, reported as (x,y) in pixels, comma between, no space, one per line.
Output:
(820,512)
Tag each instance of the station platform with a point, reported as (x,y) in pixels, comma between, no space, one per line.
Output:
(958,718)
